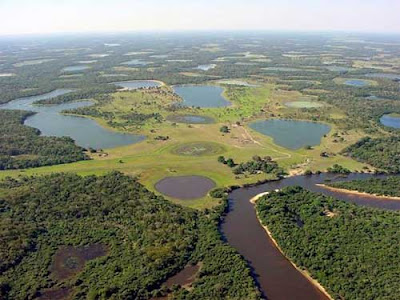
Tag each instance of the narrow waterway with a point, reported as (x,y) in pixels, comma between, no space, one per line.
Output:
(275,275)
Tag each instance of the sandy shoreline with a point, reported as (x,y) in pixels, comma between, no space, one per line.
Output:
(354,192)
(305,273)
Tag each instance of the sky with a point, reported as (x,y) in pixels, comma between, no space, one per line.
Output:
(55,16)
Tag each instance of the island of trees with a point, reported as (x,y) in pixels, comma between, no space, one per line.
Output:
(389,186)
(352,251)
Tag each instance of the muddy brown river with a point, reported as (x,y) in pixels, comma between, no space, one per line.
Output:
(275,275)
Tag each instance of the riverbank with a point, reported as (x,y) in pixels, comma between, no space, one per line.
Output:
(354,192)
(305,273)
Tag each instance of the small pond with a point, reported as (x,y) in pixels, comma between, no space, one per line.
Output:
(75,68)
(137,84)
(201,95)
(135,62)
(185,187)
(391,121)
(292,134)
(206,67)
(190,119)
(356,82)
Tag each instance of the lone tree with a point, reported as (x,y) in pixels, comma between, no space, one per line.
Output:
(221,159)
(230,163)
(224,129)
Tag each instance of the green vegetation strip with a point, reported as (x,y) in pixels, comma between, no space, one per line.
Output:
(377,186)
(352,251)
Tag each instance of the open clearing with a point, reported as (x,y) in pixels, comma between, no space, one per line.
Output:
(198,149)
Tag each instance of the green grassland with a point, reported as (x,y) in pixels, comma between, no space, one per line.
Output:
(152,160)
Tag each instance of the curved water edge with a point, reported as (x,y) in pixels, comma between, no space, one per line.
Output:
(390,121)
(185,187)
(86,132)
(276,276)
(137,84)
(357,82)
(190,119)
(201,95)
(292,134)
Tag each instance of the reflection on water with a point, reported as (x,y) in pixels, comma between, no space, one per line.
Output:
(201,95)
(86,132)
(276,276)
(292,134)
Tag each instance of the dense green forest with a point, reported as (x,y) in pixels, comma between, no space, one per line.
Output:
(382,153)
(22,147)
(389,186)
(108,237)
(352,251)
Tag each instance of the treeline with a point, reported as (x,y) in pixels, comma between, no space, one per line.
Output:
(147,238)
(382,153)
(389,186)
(352,251)
(254,166)
(87,93)
(22,147)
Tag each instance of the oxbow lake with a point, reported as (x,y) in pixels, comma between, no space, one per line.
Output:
(86,132)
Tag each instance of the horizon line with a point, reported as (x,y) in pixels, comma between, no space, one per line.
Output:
(217,30)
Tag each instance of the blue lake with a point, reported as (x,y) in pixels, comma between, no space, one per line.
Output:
(137,84)
(292,134)
(356,82)
(390,121)
(86,132)
(201,95)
